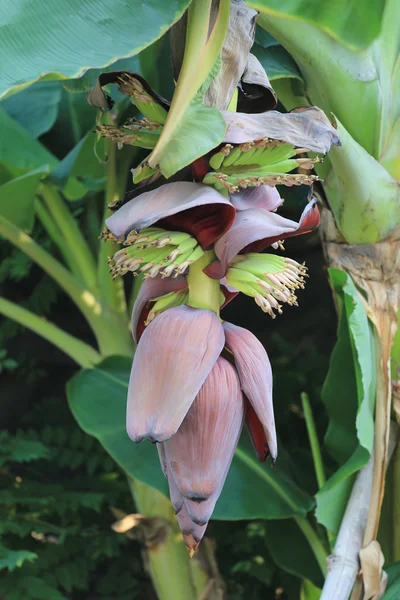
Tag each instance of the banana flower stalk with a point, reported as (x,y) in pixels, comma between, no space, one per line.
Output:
(197,240)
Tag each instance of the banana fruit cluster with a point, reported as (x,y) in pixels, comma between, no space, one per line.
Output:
(167,301)
(143,133)
(267,278)
(258,162)
(131,86)
(155,251)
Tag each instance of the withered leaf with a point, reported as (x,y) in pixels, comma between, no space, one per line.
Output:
(305,127)
(256,94)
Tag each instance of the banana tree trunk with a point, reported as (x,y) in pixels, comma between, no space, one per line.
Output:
(375,268)
(351,71)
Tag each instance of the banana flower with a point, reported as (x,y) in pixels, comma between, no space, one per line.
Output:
(185,396)
(196,380)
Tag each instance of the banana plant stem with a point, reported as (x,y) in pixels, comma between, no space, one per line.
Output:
(78,248)
(344,562)
(109,334)
(201,52)
(315,451)
(112,291)
(55,235)
(174,575)
(204,292)
(313,438)
(79,351)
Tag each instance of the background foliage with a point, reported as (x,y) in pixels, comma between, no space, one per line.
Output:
(58,481)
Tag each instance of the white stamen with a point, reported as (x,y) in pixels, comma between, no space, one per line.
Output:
(274,279)
(173,255)
(182,267)
(167,271)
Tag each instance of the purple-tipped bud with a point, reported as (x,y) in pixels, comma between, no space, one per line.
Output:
(174,493)
(200,453)
(174,357)
(200,512)
(255,376)
(192,533)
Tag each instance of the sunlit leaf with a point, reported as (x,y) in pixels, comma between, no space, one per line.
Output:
(338,79)
(357,85)
(333,497)
(364,197)
(201,129)
(58,40)
(354,24)
(191,130)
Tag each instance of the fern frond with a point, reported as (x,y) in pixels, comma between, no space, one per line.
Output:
(19,448)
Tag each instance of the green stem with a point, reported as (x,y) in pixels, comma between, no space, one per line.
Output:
(188,81)
(314,443)
(112,291)
(313,539)
(77,245)
(81,353)
(174,575)
(76,129)
(93,223)
(201,52)
(204,292)
(111,336)
(55,235)
(316,452)
(315,542)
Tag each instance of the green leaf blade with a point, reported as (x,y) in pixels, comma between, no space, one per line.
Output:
(13,559)
(20,152)
(36,107)
(63,40)
(17,199)
(355,24)
(349,394)
(282,537)
(365,198)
